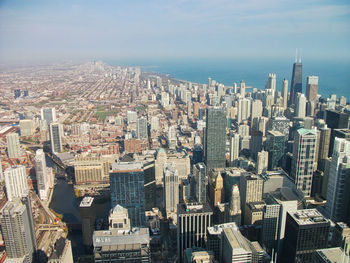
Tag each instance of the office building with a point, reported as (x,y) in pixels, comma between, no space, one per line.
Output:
(329,255)
(235,211)
(285,93)
(172,138)
(337,133)
(90,169)
(336,119)
(193,219)
(304,152)
(296,83)
(56,137)
(122,245)
(234,147)
(215,138)
(237,249)
(17,93)
(300,105)
(243,112)
(26,127)
(275,146)
(131,116)
(171,191)
(341,236)
(13,146)
(127,189)
(18,230)
(87,215)
(262,162)
(257,109)
(312,89)
(306,231)
(271,83)
(154,123)
(41,174)
(323,150)
(119,218)
(49,115)
(251,189)
(200,177)
(15,181)
(141,129)
(62,251)
(338,199)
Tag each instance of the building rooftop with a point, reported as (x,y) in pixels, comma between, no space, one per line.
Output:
(307,217)
(191,208)
(127,166)
(217,229)
(303,131)
(330,255)
(87,201)
(276,133)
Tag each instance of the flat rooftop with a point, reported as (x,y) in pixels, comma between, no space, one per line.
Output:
(87,201)
(308,217)
(330,255)
(127,166)
(191,208)
(217,229)
(117,237)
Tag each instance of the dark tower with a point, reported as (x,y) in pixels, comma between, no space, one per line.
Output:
(296,84)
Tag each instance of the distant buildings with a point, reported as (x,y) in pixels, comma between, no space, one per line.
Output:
(13,146)
(41,174)
(171,191)
(49,115)
(56,131)
(16,182)
(296,83)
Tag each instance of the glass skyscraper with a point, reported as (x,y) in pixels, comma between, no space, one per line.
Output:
(296,84)
(215,138)
(127,190)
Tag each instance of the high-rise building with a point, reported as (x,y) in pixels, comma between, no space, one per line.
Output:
(275,145)
(324,140)
(285,93)
(165,99)
(234,147)
(306,231)
(131,116)
(56,137)
(192,223)
(300,105)
(242,88)
(119,218)
(215,138)
(243,112)
(312,88)
(15,181)
(154,123)
(87,215)
(18,229)
(41,174)
(17,93)
(271,83)
(127,189)
(200,176)
(338,198)
(141,129)
(13,146)
(250,188)
(49,115)
(26,127)
(262,162)
(296,83)
(172,138)
(257,109)
(171,191)
(304,152)
(235,211)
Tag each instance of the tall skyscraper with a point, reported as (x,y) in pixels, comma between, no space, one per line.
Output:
(325,135)
(15,182)
(172,138)
(215,138)
(49,115)
(271,83)
(141,129)
(285,93)
(250,188)
(257,109)
(189,231)
(304,151)
(242,88)
(338,198)
(235,211)
(275,145)
(13,146)
(296,83)
(262,162)
(171,190)
(200,176)
(56,137)
(300,105)
(234,147)
(88,216)
(127,190)
(18,229)
(312,88)
(243,112)
(41,175)
(306,231)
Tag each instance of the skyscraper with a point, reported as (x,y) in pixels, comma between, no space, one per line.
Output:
(49,115)
(215,138)
(171,190)
(142,132)
(127,190)
(262,162)
(312,88)
(41,175)
(234,147)
(300,105)
(243,112)
(172,138)
(18,229)
(306,231)
(285,93)
(304,151)
(15,182)
(235,211)
(339,181)
(13,146)
(275,145)
(88,216)
(250,188)
(56,137)
(296,84)
(200,176)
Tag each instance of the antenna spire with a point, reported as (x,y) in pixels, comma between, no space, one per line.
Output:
(300,56)
(296,55)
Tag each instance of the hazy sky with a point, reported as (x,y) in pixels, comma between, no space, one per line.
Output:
(166,29)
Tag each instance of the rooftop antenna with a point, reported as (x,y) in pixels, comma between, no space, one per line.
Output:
(300,56)
(296,55)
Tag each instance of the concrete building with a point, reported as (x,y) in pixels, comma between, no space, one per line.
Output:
(329,255)
(13,146)
(312,88)
(300,106)
(142,129)
(200,177)
(41,174)
(62,252)
(304,152)
(235,212)
(251,189)
(131,116)
(87,215)
(285,93)
(119,218)
(16,182)
(234,147)
(171,191)
(262,162)
(27,127)
(243,112)
(257,109)
(172,137)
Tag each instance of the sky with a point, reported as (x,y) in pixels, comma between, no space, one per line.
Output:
(52,31)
